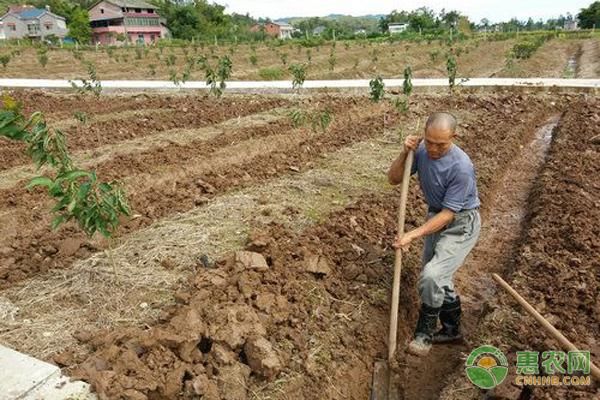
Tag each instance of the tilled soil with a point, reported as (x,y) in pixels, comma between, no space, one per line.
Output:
(34,248)
(60,105)
(201,112)
(154,195)
(308,308)
(555,268)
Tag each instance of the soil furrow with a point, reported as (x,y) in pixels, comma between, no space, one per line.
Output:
(502,221)
(326,327)
(62,105)
(32,247)
(93,157)
(203,112)
(553,264)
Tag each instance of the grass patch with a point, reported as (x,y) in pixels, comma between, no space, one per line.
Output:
(271,74)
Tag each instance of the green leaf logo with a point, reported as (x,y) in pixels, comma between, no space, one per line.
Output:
(486,367)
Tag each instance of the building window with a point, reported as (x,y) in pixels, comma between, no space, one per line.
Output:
(48,26)
(138,10)
(13,27)
(150,11)
(136,21)
(102,11)
(152,38)
(123,9)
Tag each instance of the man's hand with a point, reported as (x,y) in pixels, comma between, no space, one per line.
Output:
(411,142)
(434,224)
(396,172)
(403,241)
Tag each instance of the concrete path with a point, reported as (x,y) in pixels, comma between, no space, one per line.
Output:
(338,84)
(24,377)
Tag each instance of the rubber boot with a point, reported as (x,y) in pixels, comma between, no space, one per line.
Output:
(450,319)
(426,324)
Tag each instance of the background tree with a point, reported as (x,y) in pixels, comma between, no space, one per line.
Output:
(422,19)
(393,17)
(485,24)
(590,17)
(182,20)
(450,18)
(79,28)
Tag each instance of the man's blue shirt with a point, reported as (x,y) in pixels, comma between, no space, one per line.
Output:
(448,182)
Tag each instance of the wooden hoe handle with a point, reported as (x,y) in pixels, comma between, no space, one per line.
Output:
(555,333)
(398,262)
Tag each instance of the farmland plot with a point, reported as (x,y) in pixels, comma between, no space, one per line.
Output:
(175,309)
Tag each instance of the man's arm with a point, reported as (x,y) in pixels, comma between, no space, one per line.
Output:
(396,171)
(434,224)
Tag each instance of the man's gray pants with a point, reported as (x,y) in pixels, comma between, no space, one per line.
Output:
(444,253)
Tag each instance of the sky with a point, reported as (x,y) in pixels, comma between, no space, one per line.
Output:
(493,10)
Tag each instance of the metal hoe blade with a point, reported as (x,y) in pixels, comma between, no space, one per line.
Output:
(381,381)
(384,387)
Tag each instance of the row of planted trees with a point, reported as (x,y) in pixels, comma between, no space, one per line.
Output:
(525,46)
(154,58)
(215,66)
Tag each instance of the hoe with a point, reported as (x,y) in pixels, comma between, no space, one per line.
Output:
(383,387)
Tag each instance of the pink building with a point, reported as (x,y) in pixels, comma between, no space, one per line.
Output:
(116,21)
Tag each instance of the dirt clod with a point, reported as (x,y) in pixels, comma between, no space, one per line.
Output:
(69,247)
(234,323)
(232,382)
(251,261)
(317,265)
(262,359)
(205,186)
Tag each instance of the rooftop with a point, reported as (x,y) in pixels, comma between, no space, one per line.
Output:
(31,13)
(132,4)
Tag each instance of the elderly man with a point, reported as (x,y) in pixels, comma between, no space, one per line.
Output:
(447,179)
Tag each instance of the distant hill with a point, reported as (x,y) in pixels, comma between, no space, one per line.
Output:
(334,17)
(368,22)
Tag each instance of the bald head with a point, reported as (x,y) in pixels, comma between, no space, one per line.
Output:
(440,129)
(441,121)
